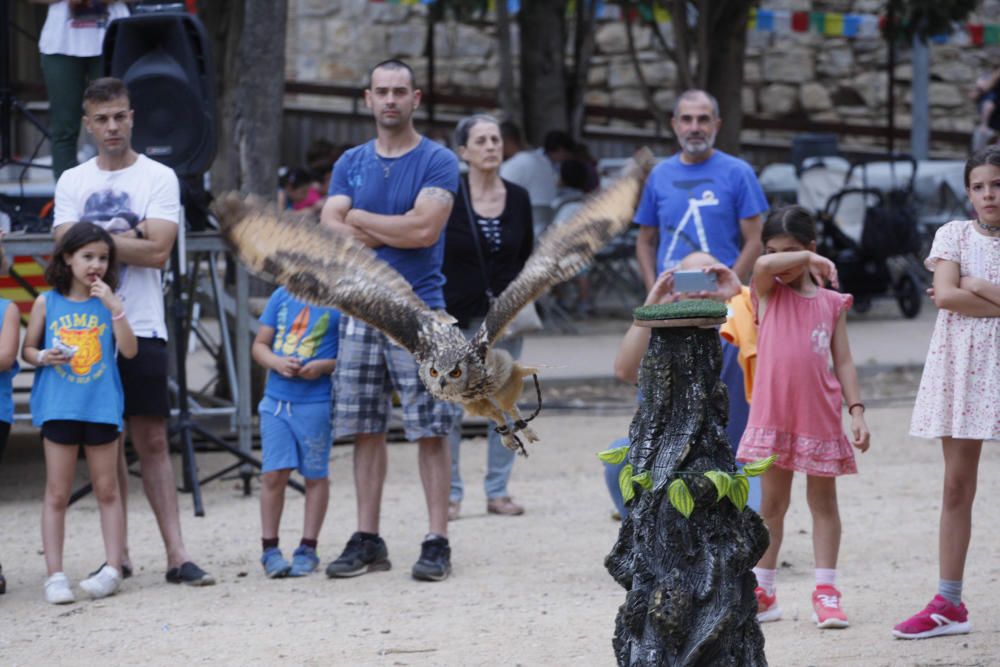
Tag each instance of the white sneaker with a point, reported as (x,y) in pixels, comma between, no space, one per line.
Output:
(57,589)
(102,583)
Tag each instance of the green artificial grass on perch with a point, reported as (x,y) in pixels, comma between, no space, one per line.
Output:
(693,308)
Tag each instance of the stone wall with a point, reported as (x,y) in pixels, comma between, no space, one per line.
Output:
(802,75)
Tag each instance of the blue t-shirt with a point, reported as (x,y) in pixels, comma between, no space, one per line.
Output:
(7,378)
(302,331)
(389,186)
(88,388)
(718,193)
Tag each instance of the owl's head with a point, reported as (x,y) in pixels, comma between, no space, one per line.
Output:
(446,374)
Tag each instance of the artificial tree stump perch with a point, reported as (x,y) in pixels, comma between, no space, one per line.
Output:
(690,597)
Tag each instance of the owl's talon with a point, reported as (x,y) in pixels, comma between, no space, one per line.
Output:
(511,441)
(521,425)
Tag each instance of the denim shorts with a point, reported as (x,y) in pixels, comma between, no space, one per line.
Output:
(295,435)
(369,367)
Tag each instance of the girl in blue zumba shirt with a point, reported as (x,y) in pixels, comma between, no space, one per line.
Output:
(77,396)
(10,334)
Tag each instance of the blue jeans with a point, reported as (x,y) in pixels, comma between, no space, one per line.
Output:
(499,459)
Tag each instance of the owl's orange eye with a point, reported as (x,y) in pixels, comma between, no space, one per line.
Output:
(433,372)
(457,373)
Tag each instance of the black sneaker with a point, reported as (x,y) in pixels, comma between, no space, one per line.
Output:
(359,557)
(189,574)
(435,560)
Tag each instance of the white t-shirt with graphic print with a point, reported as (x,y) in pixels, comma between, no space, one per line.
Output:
(118,201)
(78,31)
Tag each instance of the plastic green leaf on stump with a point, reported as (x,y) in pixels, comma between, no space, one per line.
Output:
(739,491)
(614,456)
(723,481)
(755,468)
(625,483)
(680,497)
(644,479)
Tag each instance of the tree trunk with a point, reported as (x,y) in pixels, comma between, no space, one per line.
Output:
(583,50)
(509,107)
(690,597)
(250,49)
(543,69)
(661,116)
(725,71)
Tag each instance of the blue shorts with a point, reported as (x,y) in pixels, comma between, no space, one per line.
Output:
(295,435)
(369,367)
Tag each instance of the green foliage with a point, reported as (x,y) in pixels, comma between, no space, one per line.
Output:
(644,479)
(680,497)
(722,480)
(739,491)
(926,18)
(625,483)
(759,467)
(735,487)
(614,456)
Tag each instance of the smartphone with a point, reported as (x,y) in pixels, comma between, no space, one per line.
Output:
(68,350)
(695,281)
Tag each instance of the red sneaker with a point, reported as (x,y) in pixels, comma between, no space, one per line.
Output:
(767,606)
(826,608)
(939,617)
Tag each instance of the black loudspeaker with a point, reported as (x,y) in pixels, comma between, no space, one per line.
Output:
(165,60)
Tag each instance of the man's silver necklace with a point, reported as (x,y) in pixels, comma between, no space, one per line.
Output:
(386,165)
(989,229)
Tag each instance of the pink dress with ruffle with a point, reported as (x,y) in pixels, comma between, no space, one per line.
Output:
(796,409)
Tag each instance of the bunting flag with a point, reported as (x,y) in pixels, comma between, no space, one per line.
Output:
(776,21)
(836,24)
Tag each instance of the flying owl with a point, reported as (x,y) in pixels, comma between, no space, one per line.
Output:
(328,269)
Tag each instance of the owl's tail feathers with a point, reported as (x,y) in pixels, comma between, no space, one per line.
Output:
(642,163)
(231,207)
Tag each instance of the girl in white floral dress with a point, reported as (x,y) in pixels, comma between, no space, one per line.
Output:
(960,388)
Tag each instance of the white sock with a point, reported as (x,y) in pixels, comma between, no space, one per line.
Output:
(765,579)
(826,577)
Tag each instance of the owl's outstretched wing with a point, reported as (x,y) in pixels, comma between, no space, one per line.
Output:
(564,250)
(323,268)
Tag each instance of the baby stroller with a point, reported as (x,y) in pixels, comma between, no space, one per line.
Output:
(871,234)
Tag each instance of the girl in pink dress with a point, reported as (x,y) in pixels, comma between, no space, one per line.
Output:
(960,388)
(796,411)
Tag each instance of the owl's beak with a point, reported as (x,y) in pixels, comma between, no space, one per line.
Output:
(441,382)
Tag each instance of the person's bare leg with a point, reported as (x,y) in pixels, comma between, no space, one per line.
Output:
(370,465)
(122,475)
(272,501)
(821,493)
(149,437)
(317,499)
(961,468)
(102,461)
(434,459)
(776,491)
(60,468)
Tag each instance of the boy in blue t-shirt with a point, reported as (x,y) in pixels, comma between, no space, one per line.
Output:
(298,344)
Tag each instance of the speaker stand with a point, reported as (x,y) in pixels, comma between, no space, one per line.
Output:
(185,426)
(9,103)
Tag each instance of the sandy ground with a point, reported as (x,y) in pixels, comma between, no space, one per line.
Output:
(529,590)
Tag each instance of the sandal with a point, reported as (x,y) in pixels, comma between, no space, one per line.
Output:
(503,505)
